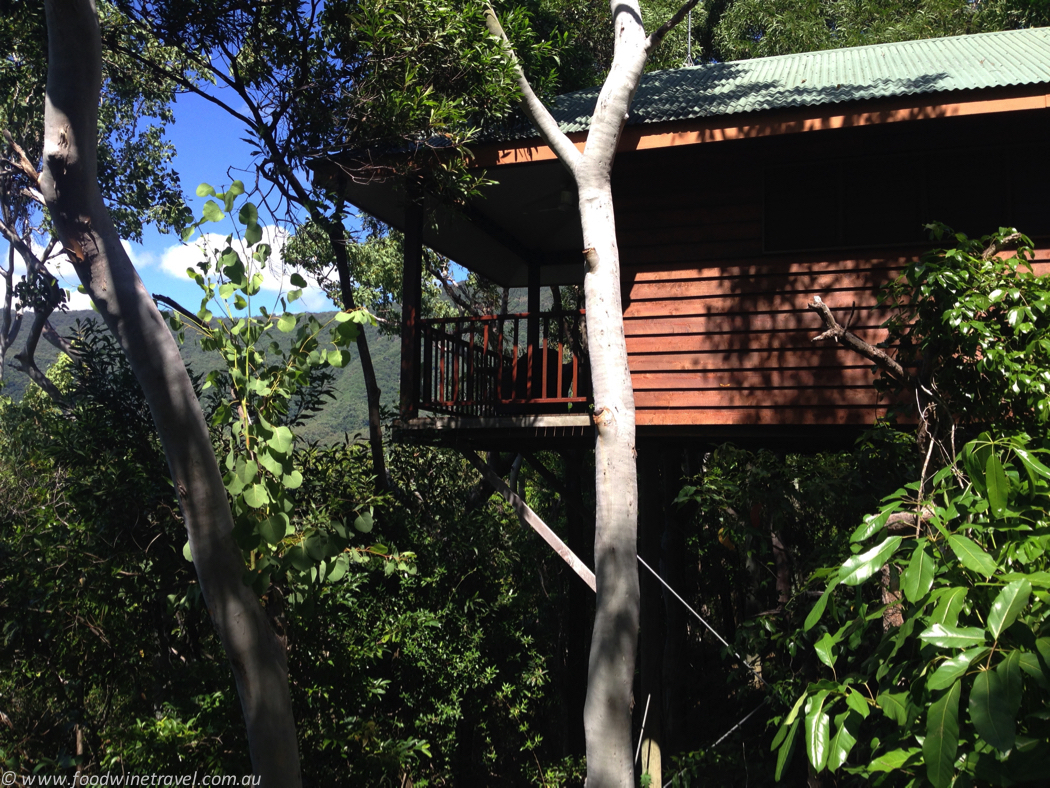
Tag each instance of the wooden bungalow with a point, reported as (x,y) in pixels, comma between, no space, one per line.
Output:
(742,190)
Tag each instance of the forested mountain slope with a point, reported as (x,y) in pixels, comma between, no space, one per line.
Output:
(348,412)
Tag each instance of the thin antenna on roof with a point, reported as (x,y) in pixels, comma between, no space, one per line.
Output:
(689,39)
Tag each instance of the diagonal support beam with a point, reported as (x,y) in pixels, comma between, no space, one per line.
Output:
(531,519)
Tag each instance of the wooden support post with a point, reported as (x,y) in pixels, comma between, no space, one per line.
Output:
(535,371)
(531,519)
(411,306)
(651,645)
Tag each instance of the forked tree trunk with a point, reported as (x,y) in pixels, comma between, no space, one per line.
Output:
(70,186)
(607,720)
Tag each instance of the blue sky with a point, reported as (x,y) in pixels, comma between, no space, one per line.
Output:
(209,150)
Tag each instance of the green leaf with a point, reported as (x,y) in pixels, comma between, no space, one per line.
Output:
(990,712)
(239,302)
(253,234)
(860,567)
(298,281)
(949,671)
(226,290)
(1030,664)
(364,523)
(281,440)
(249,214)
(212,212)
(274,528)
(953,637)
(786,750)
(186,552)
(286,322)
(942,738)
(948,606)
(338,358)
(892,760)
(256,496)
(858,703)
(971,555)
(873,523)
(818,609)
(841,744)
(997,484)
(293,480)
(205,190)
(825,649)
(894,705)
(1009,671)
(339,568)
(247,471)
(918,577)
(1008,605)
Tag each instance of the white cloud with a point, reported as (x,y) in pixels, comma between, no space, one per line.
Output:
(140,257)
(175,260)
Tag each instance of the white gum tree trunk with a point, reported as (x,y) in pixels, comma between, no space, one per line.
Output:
(70,186)
(607,714)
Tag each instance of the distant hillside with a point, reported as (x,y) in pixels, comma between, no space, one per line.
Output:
(347,413)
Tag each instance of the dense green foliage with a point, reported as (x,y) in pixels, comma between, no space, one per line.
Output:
(759,28)
(939,673)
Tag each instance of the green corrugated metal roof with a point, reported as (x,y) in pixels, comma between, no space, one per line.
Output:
(985,60)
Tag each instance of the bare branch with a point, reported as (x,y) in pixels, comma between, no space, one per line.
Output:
(180,309)
(658,35)
(57,340)
(25,361)
(877,356)
(999,244)
(539,115)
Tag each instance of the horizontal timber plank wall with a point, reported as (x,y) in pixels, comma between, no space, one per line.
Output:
(717,328)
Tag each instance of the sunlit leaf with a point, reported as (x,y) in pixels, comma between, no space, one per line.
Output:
(1008,605)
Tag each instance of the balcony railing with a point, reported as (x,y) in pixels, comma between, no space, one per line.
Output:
(503,364)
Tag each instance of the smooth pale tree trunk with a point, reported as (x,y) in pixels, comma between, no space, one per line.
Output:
(70,186)
(607,713)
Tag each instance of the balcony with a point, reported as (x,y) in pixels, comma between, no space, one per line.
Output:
(520,365)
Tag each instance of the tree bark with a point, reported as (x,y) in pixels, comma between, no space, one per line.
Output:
(70,186)
(607,715)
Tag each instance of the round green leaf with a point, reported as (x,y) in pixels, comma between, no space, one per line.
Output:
(212,211)
(274,528)
(298,281)
(256,496)
(363,523)
(205,190)
(186,552)
(248,214)
(286,322)
(293,480)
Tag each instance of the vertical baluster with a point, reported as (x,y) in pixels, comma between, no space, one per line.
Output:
(514,359)
(500,339)
(561,365)
(486,363)
(544,373)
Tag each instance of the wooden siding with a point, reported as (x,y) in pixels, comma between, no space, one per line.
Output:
(723,345)
(718,332)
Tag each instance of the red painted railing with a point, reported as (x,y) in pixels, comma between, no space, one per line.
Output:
(486,366)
